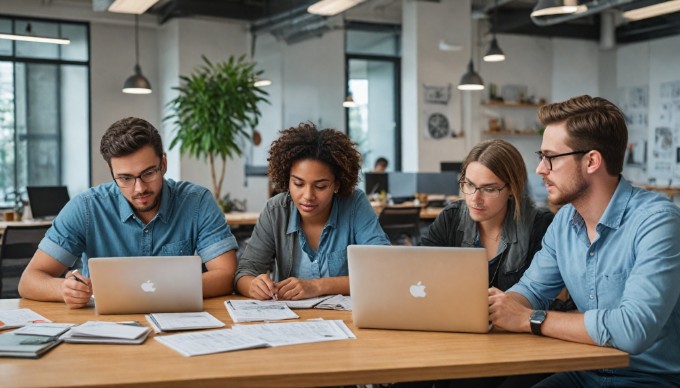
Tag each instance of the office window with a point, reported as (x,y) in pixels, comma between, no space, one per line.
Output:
(44,108)
(373,79)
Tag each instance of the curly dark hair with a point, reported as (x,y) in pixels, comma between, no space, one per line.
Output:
(127,136)
(328,146)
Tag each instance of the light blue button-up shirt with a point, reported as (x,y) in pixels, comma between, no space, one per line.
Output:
(627,281)
(352,221)
(101,223)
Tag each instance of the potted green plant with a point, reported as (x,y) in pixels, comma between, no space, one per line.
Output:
(215,110)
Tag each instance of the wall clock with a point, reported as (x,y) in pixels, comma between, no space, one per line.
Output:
(437,126)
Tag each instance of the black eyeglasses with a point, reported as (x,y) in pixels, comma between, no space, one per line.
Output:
(541,157)
(147,176)
(468,188)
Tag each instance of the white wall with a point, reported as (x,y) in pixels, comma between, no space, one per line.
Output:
(575,68)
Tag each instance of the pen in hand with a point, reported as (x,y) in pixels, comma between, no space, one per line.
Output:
(273,294)
(74,277)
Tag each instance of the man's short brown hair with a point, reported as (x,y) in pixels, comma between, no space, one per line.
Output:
(127,136)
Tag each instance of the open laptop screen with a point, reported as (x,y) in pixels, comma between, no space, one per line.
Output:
(47,201)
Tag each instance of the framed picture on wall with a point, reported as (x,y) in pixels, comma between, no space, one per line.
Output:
(435,94)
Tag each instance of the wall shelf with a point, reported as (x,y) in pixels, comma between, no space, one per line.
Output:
(497,104)
(510,134)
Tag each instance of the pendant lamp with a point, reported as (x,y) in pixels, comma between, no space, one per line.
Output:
(494,54)
(137,83)
(471,80)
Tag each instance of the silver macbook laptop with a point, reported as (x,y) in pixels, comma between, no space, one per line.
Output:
(419,288)
(127,285)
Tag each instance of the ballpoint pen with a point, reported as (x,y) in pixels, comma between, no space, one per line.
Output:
(274,296)
(74,277)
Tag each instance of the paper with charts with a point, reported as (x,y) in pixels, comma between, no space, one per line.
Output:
(258,310)
(208,342)
(19,317)
(242,337)
(293,333)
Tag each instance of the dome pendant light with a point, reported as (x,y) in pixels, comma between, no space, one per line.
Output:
(471,80)
(137,83)
(494,54)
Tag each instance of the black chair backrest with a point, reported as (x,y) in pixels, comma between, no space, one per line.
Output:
(398,221)
(19,244)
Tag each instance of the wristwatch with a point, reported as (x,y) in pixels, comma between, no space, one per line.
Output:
(536,320)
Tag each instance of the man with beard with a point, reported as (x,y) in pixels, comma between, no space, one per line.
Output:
(615,247)
(140,213)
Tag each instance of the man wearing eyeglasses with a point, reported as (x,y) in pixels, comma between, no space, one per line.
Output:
(139,213)
(614,246)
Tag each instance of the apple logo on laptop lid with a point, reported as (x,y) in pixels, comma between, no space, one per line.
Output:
(148,286)
(418,290)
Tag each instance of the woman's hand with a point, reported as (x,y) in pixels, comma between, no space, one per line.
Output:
(294,288)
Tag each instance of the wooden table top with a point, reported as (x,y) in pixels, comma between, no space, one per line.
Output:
(376,356)
(242,218)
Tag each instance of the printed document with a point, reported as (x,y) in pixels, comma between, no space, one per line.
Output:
(44,329)
(257,310)
(293,333)
(303,303)
(19,317)
(183,321)
(208,342)
(337,302)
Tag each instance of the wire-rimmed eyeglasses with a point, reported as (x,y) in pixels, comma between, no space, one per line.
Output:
(148,176)
(543,157)
(468,188)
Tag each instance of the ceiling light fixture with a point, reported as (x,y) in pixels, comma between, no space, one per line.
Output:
(332,7)
(137,83)
(494,54)
(471,80)
(557,7)
(653,10)
(137,7)
(262,83)
(349,101)
(29,37)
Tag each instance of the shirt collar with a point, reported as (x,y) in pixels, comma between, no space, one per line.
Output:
(294,224)
(125,210)
(613,215)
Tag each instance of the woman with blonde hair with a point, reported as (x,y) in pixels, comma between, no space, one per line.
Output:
(495,213)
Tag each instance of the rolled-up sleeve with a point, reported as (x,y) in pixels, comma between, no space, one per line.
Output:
(214,234)
(65,239)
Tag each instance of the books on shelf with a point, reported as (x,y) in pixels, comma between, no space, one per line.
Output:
(26,346)
(183,321)
(101,332)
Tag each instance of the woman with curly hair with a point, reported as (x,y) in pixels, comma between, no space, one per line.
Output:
(298,248)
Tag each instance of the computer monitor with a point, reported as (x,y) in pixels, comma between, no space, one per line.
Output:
(375,182)
(438,182)
(450,166)
(403,185)
(46,201)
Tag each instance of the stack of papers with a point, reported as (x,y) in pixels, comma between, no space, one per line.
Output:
(100,332)
(26,346)
(303,303)
(182,321)
(293,333)
(19,317)
(208,342)
(256,336)
(258,310)
(44,329)
(337,302)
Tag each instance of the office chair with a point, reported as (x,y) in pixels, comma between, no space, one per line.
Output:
(19,244)
(401,224)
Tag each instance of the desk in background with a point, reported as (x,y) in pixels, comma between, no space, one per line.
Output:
(376,356)
(242,218)
(5,224)
(426,213)
(670,192)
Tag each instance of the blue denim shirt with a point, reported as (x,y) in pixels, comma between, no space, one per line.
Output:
(627,281)
(278,240)
(101,223)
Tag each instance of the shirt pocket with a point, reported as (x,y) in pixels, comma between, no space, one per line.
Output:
(611,289)
(179,248)
(337,263)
